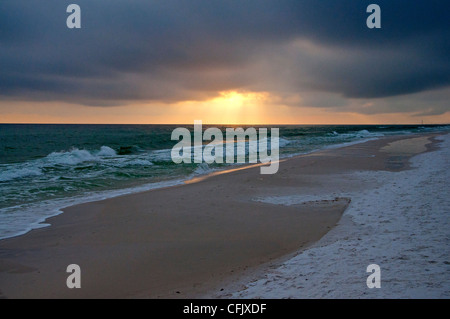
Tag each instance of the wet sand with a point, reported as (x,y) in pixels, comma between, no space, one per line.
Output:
(182,241)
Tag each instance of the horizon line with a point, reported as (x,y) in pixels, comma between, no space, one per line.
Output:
(234,124)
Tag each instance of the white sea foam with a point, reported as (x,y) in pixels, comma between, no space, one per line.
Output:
(77,156)
(72,157)
(106,151)
(364,132)
(19,172)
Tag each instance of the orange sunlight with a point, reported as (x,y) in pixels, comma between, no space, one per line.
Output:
(229,107)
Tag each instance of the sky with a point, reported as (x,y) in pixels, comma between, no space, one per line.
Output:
(225,62)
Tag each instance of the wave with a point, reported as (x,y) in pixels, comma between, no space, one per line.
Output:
(106,151)
(19,172)
(283,142)
(77,156)
(135,162)
(73,157)
(40,166)
(357,134)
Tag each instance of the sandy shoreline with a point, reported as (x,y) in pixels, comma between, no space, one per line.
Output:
(185,241)
(398,220)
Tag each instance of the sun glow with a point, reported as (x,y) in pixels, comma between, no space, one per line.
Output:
(229,107)
(239,108)
(226,107)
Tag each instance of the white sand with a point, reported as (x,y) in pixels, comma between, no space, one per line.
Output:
(402,224)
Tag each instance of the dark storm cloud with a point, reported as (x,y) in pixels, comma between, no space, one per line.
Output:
(177,50)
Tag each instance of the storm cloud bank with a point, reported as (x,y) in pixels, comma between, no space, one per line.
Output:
(169,51)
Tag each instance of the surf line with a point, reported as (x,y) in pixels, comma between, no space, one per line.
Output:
(257,143)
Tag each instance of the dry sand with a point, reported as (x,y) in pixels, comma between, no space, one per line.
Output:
(182,241)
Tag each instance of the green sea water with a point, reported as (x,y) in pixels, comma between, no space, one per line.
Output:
(46,167)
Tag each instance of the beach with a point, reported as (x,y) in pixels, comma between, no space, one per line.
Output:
(399,220)
(247,235)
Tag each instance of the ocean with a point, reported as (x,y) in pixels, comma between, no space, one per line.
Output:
(46,167)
